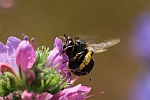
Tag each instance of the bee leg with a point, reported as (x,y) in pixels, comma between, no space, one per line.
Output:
(65,61)
(75,57)
(80,53)
(72,59)
(64,50)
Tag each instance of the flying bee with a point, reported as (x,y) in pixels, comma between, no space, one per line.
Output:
(80,53)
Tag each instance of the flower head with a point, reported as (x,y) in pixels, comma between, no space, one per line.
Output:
(40,74)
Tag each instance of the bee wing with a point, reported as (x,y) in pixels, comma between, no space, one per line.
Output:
(101,47)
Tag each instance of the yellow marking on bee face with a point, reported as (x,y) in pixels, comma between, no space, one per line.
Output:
(86,60)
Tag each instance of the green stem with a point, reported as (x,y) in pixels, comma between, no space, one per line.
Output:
(22,83)
(20,74)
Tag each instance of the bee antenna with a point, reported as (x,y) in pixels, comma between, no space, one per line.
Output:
(65,36)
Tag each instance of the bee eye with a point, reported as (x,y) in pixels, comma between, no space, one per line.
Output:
(69,37)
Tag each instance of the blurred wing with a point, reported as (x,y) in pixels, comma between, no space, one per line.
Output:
(101,47)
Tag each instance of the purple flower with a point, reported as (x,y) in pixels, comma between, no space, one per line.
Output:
(44,96)
(7,52)
(75,93)
(140,44)
(44,78)
(17,53)
(55,58)
(140,38)
(78,92)
(25,55)
(27,96)
(12,55)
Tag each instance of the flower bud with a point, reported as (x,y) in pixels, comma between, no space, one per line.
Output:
(30,77)
(25,55)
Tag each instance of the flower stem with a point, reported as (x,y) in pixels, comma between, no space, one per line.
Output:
(20,73)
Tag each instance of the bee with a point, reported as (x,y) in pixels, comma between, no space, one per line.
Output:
(80,53)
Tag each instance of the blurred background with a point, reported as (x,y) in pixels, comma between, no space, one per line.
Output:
(123,71)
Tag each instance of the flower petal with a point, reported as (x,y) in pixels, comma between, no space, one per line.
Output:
(2,47)
(58,44)
(58,47)
(12,42)
(30,75)
(55,58)
(25,55)
(44,96)
(27,96)
(1,98)
(66,74)
(74,93)
(5,67)
(7,52)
